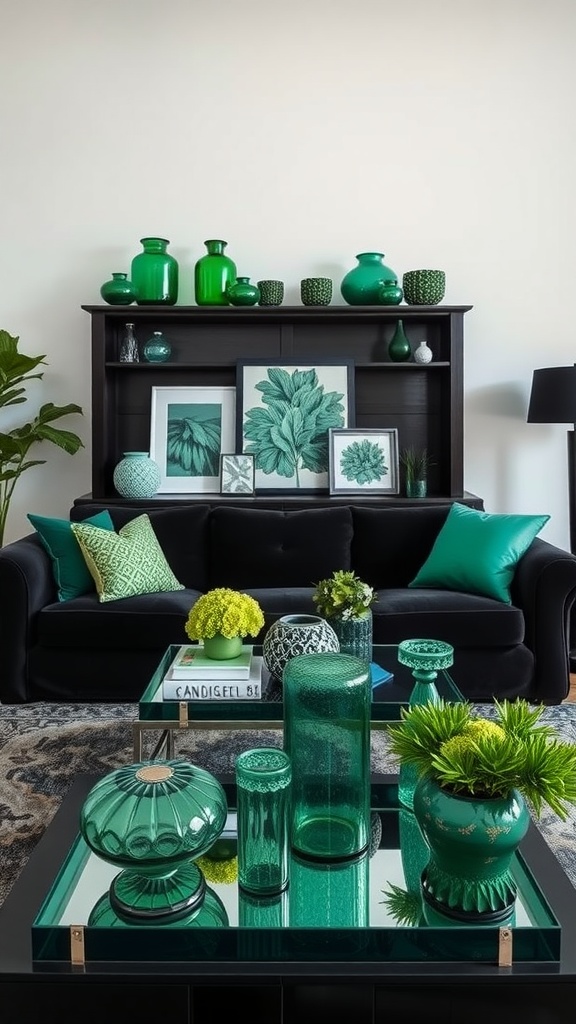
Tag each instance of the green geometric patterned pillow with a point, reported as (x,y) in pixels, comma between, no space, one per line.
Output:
(127,563)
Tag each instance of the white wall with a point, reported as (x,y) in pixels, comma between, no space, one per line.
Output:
(303,132)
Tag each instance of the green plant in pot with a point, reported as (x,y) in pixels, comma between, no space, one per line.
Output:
(478,779)
(415,463)
(345,601)
(16,370)
(221,618)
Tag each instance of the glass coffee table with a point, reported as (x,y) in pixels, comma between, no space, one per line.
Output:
(168,716)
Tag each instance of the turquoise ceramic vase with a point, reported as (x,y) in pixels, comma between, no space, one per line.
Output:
(137,475)
(361,285)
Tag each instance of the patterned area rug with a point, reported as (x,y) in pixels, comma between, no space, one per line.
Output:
(43,747)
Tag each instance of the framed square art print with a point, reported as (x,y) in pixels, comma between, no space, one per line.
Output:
(284,411)
(190,428)
(237,474)
(364,461)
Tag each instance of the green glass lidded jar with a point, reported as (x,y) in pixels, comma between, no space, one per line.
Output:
(155,274)
(214,273)
(361,285)
(243,293)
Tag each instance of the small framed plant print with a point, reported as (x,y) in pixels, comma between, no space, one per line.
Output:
(364,461)
(237,474)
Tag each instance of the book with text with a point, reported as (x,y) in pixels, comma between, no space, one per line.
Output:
(192,663)
(215,689)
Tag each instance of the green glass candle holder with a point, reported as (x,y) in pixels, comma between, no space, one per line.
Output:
(152,819)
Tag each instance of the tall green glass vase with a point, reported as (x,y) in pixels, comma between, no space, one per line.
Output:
(214,273)
(327,700)
(154,274)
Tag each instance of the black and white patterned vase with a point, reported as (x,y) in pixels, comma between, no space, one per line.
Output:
(292,635)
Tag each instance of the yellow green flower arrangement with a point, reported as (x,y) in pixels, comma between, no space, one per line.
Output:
(226,613)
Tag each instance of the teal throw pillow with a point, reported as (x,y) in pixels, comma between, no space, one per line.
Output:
(127,563)
(478,552)
(68,565)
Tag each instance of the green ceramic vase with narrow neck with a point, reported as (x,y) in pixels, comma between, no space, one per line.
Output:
(361,286)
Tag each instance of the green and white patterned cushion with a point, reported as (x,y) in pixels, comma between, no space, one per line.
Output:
(127,563)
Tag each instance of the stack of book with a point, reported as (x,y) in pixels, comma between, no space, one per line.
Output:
(193,676)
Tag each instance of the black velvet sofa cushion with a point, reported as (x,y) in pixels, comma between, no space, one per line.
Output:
(463,620)
(148,621)
(391,544)
(182,533)
(267,548)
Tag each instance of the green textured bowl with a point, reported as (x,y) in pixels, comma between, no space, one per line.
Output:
(424,287)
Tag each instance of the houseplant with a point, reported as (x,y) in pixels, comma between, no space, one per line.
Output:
(345,601)
(478,779)
(16,370)
(415,463)
(221,618)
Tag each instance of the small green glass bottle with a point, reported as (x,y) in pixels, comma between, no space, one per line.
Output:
(154,274)
(213,274)
(243,292)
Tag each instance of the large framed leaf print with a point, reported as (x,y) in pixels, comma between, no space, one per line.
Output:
(190,427)
(284,412)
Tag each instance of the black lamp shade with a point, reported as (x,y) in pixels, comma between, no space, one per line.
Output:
(553,395)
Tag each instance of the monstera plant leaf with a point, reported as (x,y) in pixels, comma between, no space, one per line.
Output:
(291,432)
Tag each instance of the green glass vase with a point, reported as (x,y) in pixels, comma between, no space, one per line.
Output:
(152,819)
(243,293)
(157,349)
(354,634)
(399,348)
(327,700)
(361,285)
(213,274)
(155,274)
(119,291)
(263,777)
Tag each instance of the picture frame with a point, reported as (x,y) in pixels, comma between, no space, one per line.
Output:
(190,428)
(237,474)
(277,407)
(364,461)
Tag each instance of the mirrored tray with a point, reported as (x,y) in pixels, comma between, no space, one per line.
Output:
(329,912)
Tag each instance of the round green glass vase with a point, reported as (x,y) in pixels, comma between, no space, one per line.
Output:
(119,291)
(222,648)
(157,349)
(361,285)
(154,274)
(243,292)
(327,700)
(211,913)
(214,273)
(151,819)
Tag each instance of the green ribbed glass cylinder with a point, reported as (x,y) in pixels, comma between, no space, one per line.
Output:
(263,777)
(327,736)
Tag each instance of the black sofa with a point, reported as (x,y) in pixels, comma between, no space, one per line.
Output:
(81,650)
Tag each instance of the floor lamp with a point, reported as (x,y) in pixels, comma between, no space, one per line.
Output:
(553,400)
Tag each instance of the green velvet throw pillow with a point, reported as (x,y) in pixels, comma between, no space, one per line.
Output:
(478,552)
(127,563)
(68,565)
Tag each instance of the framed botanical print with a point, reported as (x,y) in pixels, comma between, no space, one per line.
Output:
(237,474)
(364,461)
(284,411)
(190,427)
